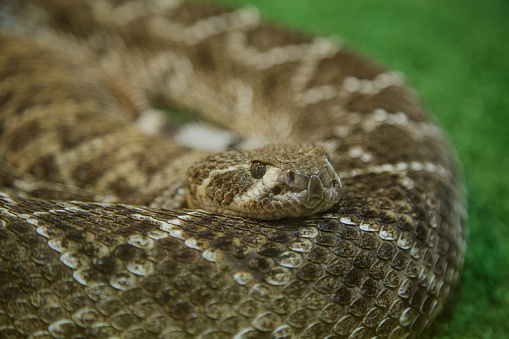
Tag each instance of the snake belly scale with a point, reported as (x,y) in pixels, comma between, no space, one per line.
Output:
(97,237)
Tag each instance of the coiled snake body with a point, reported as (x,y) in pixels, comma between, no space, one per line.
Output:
(96,236)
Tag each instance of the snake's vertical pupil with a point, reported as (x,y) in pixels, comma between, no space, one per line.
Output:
(258,169)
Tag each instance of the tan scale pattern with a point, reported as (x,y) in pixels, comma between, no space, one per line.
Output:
(380,263)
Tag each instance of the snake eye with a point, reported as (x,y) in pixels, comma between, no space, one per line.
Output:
(257,169)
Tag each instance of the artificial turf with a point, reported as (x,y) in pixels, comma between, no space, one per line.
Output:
(456,55)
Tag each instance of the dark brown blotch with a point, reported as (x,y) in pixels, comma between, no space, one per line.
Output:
(22,136)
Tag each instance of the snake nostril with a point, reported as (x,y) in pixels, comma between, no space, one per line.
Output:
(276,190)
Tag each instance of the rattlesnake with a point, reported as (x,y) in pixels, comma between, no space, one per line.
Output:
(96,236)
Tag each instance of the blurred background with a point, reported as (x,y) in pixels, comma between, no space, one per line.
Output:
(456,55)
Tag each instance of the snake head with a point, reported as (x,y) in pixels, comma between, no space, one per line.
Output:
(267,183)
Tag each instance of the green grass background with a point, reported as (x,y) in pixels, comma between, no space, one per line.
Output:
(456,54)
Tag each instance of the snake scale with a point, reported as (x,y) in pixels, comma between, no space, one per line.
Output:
(97,238)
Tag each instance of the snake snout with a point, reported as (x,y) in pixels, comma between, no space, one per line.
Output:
(318,187)
(315,187)
(323,187)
